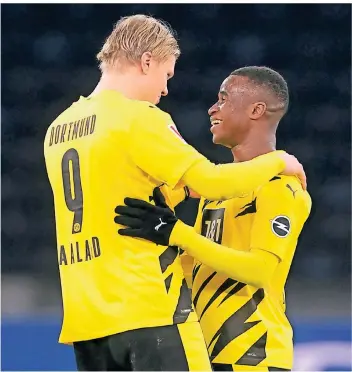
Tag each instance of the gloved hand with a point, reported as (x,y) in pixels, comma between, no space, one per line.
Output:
(145,220)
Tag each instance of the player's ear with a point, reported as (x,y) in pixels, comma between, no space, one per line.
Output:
(256,110)
(145,62)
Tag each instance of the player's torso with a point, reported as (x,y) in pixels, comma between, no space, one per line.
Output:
(109,283)
(241,324)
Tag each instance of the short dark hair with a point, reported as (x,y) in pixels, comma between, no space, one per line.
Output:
(268,78)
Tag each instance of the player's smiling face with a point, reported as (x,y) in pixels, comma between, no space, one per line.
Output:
(228,116)
(157,75)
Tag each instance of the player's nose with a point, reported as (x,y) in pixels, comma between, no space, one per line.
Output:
(212,110)
(165,92)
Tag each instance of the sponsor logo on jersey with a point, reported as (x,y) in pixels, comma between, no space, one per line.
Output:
(281,226)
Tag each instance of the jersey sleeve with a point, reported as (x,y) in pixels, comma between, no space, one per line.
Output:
(177,196)
(282,209)
(254,267)
(157,147)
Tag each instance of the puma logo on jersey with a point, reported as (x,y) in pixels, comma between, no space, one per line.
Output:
(291,189)
(157,227)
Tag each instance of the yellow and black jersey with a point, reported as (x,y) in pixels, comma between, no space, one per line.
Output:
(242,324)
(100,150)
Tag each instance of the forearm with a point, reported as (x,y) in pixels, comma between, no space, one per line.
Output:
(178,195)
(255,267)
(226,181)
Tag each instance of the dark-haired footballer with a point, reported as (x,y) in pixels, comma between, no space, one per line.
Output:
(241,250)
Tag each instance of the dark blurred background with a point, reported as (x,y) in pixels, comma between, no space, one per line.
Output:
(48,61)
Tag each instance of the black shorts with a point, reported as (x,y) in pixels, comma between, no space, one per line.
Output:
(178,347)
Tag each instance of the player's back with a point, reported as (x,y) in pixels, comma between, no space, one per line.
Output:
(110,283)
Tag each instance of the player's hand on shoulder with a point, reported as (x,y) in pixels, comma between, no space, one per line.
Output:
(145,220)
(294,168)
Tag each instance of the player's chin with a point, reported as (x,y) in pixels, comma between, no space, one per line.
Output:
(217,137)
(154,99)
(218,140)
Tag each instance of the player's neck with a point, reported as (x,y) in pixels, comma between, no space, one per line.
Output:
(122,83)
(253,147)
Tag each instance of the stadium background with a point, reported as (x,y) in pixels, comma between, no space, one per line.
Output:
(48,60)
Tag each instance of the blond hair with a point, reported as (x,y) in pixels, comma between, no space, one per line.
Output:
(134,35)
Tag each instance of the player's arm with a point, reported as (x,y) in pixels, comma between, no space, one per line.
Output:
(157,148)
(254,267)
(225,181)
(277,224)
(266,249)
(179,195)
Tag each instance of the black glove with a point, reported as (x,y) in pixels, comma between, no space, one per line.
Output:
(145,220)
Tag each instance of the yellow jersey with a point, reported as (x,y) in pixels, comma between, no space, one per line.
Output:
(100,150)
(242,324)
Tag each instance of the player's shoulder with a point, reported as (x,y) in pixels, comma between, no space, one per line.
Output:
(288,189)
(60,119)
(146,110)
(75,109)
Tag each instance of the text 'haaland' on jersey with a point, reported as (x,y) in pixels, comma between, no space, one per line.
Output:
(79,252)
